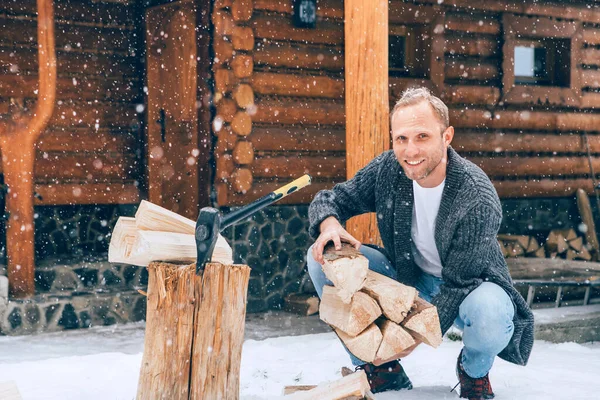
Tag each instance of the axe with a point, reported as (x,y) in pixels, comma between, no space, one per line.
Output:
(211,222)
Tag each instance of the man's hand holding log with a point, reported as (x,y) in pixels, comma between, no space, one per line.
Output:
(332,231)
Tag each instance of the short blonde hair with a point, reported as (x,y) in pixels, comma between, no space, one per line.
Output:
(412,96)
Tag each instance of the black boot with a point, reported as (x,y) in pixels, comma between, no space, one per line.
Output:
(388,376)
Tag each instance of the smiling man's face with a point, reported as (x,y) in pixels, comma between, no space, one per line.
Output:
(420,143)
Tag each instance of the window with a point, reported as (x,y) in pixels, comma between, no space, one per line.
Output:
(545,63)
(540,61)
(397,54)
(408,51)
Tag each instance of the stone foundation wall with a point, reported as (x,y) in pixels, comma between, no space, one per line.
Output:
(76,286)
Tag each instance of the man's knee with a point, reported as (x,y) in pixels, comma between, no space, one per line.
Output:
(488,313)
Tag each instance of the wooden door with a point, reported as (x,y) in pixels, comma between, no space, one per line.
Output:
(172,126)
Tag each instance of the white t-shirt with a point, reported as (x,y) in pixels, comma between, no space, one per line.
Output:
(425,210)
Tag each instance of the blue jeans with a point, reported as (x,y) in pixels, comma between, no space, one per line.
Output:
(485,316)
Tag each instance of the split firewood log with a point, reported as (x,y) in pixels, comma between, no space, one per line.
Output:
(556,242)
(576,244)
(423,323)
(158,234)
(394,298)
(395,340)
(365,344)
(351,318)
(352,386)
(346,268)
(301,304)
(534,249)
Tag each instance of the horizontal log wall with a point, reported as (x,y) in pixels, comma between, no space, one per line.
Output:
(90,151)
(296,123)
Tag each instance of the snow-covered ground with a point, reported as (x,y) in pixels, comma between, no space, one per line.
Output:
(103,363)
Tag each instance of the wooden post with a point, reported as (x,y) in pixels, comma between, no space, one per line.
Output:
(194,332)
(367,104)
(17,142)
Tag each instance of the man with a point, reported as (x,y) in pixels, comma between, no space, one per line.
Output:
(438,215)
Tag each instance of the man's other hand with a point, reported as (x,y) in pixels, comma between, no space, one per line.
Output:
(332,231)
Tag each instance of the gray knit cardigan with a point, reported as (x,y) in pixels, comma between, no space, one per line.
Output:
(465,234)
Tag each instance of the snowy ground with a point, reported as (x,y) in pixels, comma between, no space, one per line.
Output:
(103,363)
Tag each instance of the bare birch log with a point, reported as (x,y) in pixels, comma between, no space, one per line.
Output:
(352,318)
(423,323)
(394,298)
(194,332)
(346,268)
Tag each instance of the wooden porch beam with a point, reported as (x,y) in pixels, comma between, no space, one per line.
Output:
(367,104)
(18,138)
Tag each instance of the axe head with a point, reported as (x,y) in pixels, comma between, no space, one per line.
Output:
(208,227)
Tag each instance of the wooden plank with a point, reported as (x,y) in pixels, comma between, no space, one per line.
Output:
(473,23)
(87,140)
(367,96)
(547,269)
(590,78)
(87,193)
(84,166)
(73,62)
(587,218)
(511,167)
(325,8)
(407,13)
(76,114)
(261,188)
(515,142)
(577,11)
(282,28)
(298,138)
(524,120)
(471,94)
(299,56)
(539,27)
(80,88)
(472,70)
(475,46)
(590,56)
(297,85)
(68,36)
(541,187)
(591,36)
(80,11)
(297,165)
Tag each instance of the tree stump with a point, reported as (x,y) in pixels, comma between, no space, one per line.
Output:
(194,331)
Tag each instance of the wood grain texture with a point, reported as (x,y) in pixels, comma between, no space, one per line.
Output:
(367,95)
(194,332)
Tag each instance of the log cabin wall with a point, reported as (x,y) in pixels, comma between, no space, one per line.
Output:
(90,152)
(530,145)
(291,117)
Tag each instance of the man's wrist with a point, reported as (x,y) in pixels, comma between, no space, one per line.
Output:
(327,222)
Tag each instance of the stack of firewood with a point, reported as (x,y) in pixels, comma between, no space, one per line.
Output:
(376,317)
(560,243)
